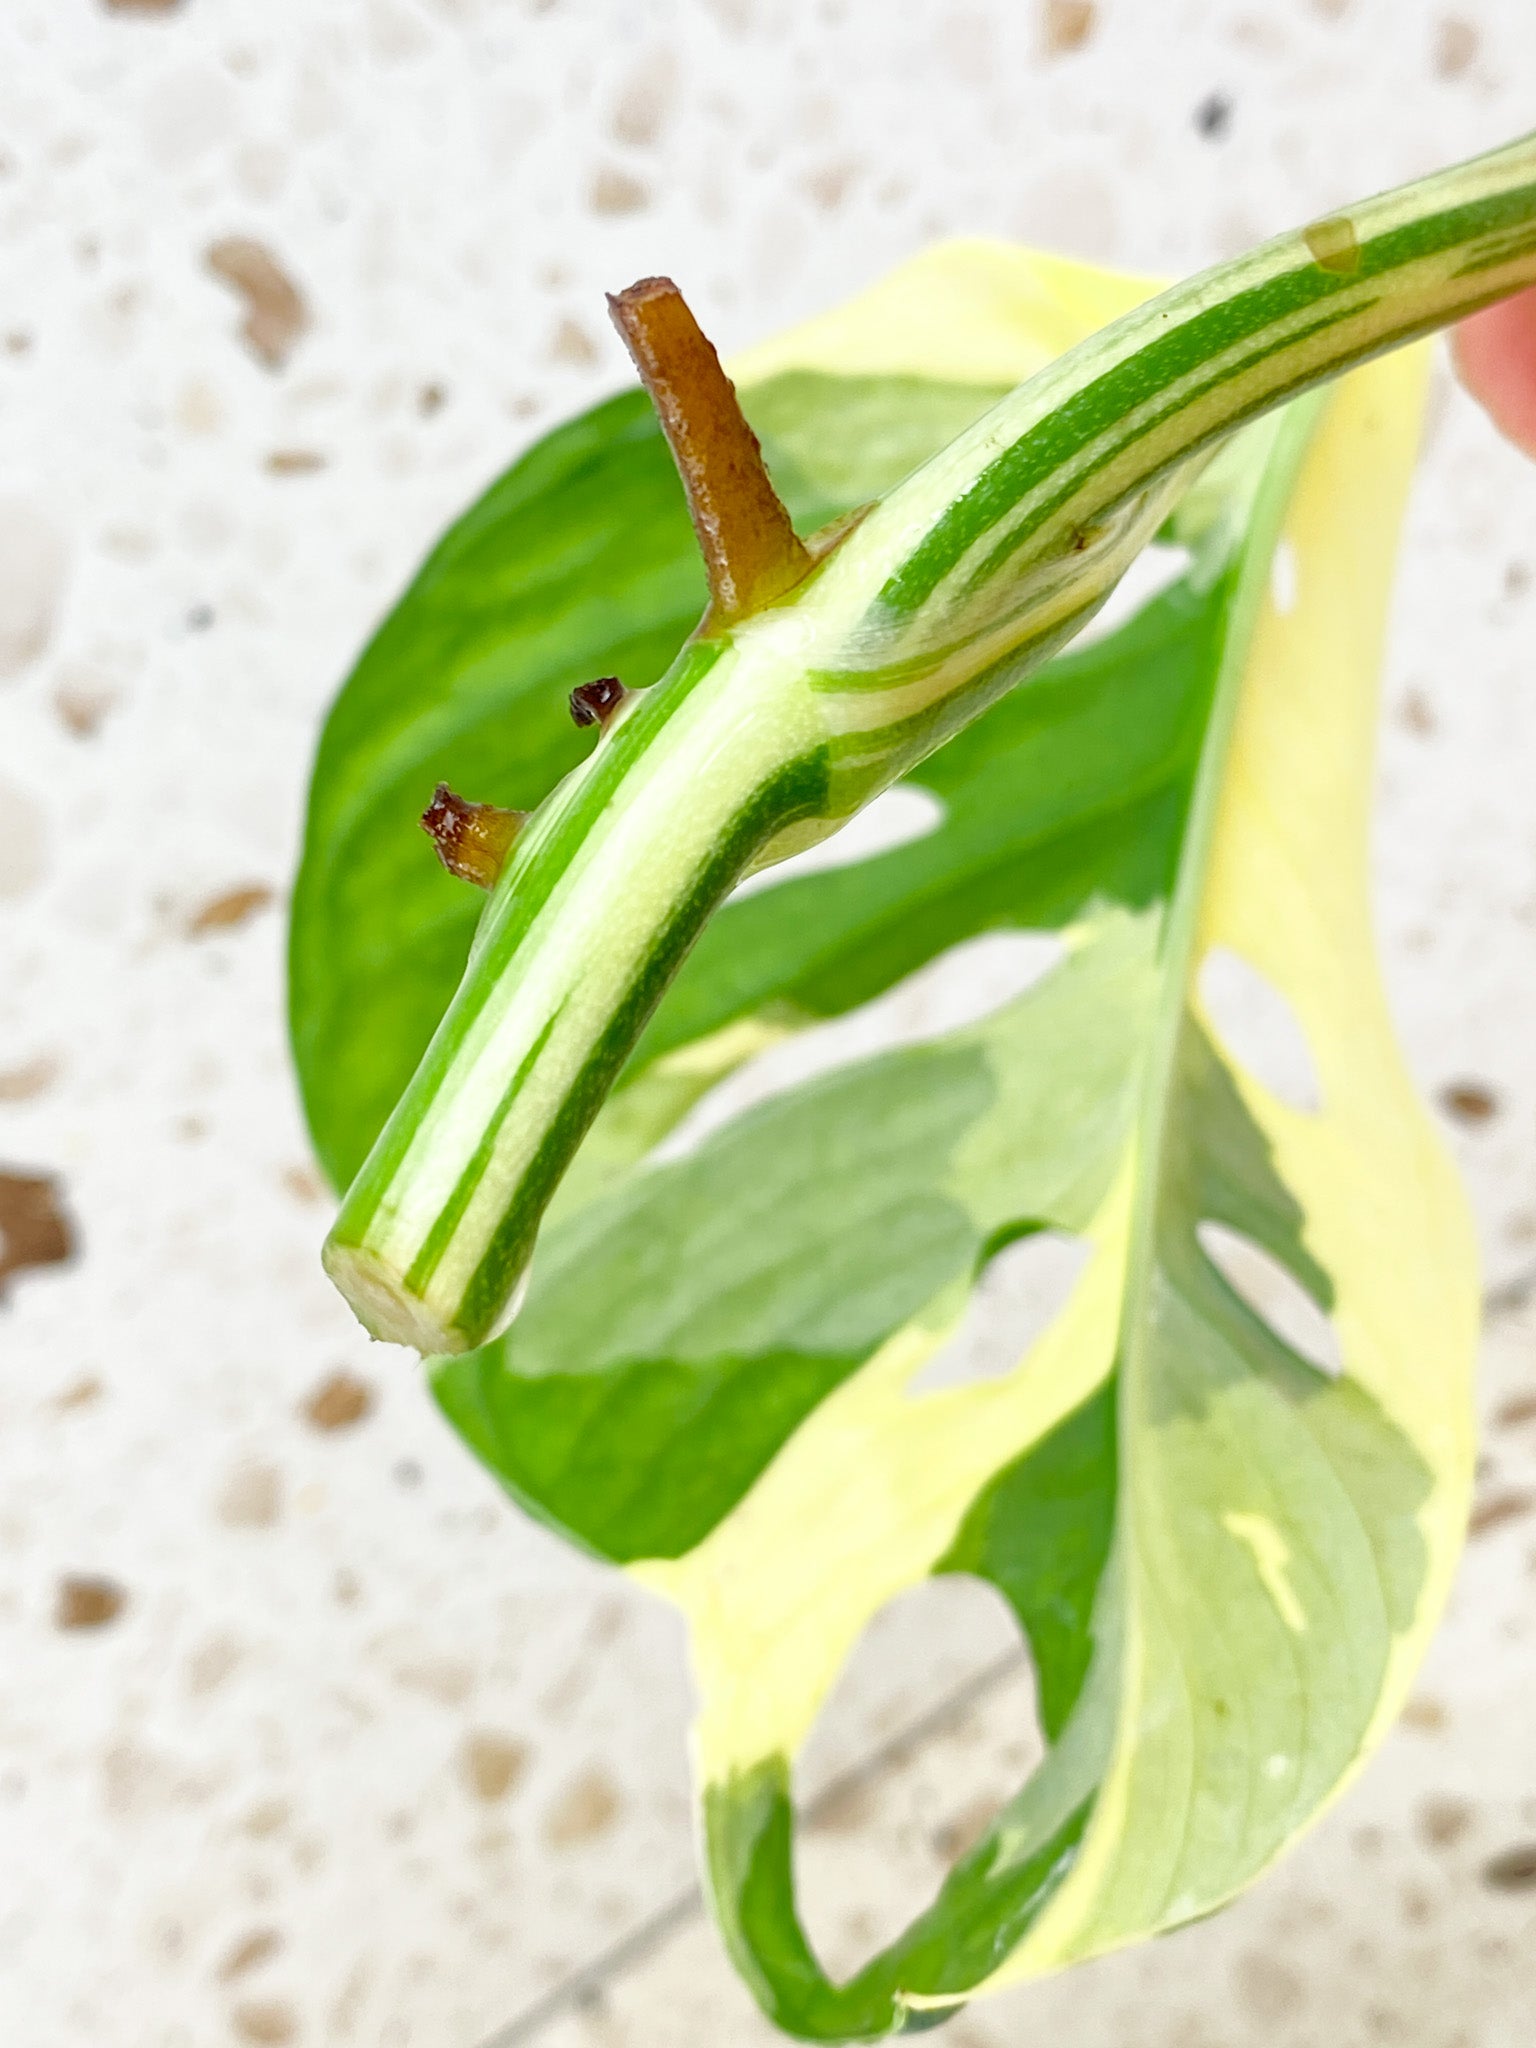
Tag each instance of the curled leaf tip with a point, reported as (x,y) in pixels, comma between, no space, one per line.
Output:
(752,554)
(472,840)
(595,703)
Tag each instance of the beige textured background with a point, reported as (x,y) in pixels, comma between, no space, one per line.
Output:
(352,1754)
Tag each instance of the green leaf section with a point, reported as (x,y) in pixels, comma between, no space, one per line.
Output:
(1040,1533)
(1225,1563)
(677,1332)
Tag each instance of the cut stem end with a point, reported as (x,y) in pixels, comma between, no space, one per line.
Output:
(383,1307)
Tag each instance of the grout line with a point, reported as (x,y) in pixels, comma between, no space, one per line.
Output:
(585,1986)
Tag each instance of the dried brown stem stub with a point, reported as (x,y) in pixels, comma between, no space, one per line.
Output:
(472,840)
(752,553)
(595,703)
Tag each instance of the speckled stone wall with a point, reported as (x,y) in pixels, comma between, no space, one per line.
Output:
(305,1737)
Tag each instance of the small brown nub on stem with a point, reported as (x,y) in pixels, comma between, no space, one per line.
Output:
(595,703)
(472,840)
(752,554)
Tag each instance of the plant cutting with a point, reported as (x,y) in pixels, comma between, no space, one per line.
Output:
(1225,1558)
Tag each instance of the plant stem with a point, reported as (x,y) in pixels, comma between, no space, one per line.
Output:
(772,731)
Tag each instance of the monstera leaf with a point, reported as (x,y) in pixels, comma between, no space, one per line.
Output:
(1225,1559)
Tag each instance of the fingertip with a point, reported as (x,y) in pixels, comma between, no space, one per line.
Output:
(1495,357)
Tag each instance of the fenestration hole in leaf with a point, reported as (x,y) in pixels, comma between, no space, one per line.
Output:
(897,817)
(890,1790)
(1274,1294)
(1019,1293)
(1259,1029)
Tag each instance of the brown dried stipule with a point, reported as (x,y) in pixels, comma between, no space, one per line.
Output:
(472,840)
(595,703)
(752,554)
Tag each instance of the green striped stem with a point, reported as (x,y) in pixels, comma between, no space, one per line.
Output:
(764,738)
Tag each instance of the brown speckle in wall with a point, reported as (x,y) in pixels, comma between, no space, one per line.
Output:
(34,564)
(251,1498)
(1418,713)
(295,462)
(1470,1102)
(87,1601)
(266,2022)
(850,1807)
(275,312)
(31,1079)
(1455,47)
(448,1680)
(211,1663)
(1417,1905)
(23,840)
(229,910)
(1067,25)
(1425,1715)
(267,1817)
(1514,1413)
(1512,1870)
(82,703)
(615,191)
(645,101)
(1497,1509)
(1444,1820)
(81,1393)
(587,1808)
(1267,1985)
(828,184)
(492,1764)
(573,345)
(34,1230)
(338,1402)
(249,1953)
(303,1183)
(956,1837)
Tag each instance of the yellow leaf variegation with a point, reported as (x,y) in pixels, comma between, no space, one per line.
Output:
(1383,1216)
